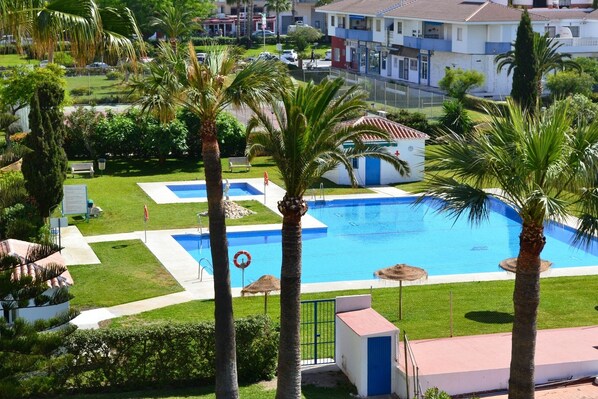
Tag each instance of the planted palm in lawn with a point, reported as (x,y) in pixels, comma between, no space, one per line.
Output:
(128,272)
(546,169)
(304,134)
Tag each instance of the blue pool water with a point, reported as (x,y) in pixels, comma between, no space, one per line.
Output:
(199,190)
(366,235)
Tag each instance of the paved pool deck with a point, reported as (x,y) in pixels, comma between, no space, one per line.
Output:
(197,285)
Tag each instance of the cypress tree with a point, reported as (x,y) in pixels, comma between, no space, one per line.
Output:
(45,166)
(524,91)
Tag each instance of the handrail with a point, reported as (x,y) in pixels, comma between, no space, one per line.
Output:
(417,389)
(322,197)
(201,269)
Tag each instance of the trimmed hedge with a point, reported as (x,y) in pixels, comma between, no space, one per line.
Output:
(165,354)
(483,104)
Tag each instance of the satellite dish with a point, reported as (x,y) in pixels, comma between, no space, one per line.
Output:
(565,33)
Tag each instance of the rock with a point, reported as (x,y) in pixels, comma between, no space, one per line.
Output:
(233,211)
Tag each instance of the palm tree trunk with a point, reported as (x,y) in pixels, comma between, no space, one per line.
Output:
(289,349)
(526,298)
(226,359)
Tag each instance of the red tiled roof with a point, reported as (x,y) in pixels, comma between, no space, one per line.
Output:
(395,129)
(20,249)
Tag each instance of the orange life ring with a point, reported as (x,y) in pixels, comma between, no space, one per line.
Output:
(242,265)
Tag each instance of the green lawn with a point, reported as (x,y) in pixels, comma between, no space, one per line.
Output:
(128,272)
(11,60)
(478,308)
(100,87)
(255,391)
(124,212)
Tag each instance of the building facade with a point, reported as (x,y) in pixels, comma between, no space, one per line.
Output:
(417,41)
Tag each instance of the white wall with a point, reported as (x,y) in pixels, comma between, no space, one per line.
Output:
(350,354)
(353,302)
(42,312)
(378,36)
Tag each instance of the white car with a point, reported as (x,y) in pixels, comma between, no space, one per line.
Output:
(328,55)
(290,55)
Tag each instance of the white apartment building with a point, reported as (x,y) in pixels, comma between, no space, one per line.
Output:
(416,41)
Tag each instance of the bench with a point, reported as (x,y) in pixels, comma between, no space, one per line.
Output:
(239,162)
(82,167)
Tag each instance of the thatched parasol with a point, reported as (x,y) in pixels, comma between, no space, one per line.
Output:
(510,265)
(265,284)
(401,272)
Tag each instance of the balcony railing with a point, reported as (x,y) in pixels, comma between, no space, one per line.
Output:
(424,43)
(497,47)
(354,34)
(577,44)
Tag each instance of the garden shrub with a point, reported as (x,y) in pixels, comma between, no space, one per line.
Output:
(415,120)
(81,91)
(79,131)
(566,83)
(580,107)
(231,134)
(435,393)
(455,117)
(118,135)
(165,354)
(115,75)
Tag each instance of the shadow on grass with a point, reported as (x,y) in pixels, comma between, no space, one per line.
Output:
(489,317)
(596,307)
(151,167)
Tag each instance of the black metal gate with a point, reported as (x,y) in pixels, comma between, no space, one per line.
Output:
(318,335)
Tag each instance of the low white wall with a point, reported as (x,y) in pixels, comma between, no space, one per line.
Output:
(353,302)
(42,312)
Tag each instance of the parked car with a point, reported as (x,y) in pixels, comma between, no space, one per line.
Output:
(261,33)
(267,56)
(101,65)
(328,55)
(201,57)
(290,55)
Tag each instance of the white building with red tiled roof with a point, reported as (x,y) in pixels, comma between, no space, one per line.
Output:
(417,40)
(408,144)
(34,269)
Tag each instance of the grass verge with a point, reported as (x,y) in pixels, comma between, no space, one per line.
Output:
(128,272)
(100,87)
(478,308)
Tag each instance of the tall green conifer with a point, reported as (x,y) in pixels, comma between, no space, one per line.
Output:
(45,166)
(524,90)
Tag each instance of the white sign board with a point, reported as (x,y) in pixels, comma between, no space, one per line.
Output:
(74,201)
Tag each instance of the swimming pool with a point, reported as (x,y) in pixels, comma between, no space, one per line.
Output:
(199,190)
(366,235)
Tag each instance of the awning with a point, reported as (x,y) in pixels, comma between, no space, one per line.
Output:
(403,51)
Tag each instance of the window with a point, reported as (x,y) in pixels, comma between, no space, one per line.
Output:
(337,54)
(413,64)
(355,163)
(551,30)
(424,67)
(460,34)
(332,20)
(574,31)
(399,28)
(378,25)
(341,22)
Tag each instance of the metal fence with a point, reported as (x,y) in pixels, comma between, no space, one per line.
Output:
(387,95)
(318,334)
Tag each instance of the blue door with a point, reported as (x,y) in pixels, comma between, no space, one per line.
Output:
(379,366)
(372,171)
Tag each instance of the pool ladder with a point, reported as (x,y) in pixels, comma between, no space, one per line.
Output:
(209,268)
(321,198)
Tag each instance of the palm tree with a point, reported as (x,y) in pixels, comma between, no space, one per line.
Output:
(304,135)
(206,89)
(176,23)
(278,6)
(547,56)
(88,28)
(546,170)
(237,3)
